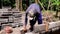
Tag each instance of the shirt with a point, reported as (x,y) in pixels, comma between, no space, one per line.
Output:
(36,9)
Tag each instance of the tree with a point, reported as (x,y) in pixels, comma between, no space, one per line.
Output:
(6,2)
(56,3)
(47,4)
(25,4)
(12,3)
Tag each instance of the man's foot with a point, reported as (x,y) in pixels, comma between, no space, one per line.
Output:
(31,29)
(24,29)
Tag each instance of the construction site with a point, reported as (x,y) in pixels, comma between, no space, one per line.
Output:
(15,18)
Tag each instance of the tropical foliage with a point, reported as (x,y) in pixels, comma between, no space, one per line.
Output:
(8,3)
(45,4)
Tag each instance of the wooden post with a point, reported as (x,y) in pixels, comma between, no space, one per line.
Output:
(20,5)
(17,4)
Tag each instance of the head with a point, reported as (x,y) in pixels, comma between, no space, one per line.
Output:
(8,29)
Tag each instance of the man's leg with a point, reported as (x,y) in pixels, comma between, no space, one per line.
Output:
(32,23)
(39,18)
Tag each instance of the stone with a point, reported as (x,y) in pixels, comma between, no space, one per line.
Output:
(39,28)
(52,25)
(29,33)
(3,20)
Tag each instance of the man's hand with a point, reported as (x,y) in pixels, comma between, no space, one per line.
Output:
(24,29)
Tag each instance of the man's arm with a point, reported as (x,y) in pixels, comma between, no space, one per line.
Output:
(26,18)
(26,15)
